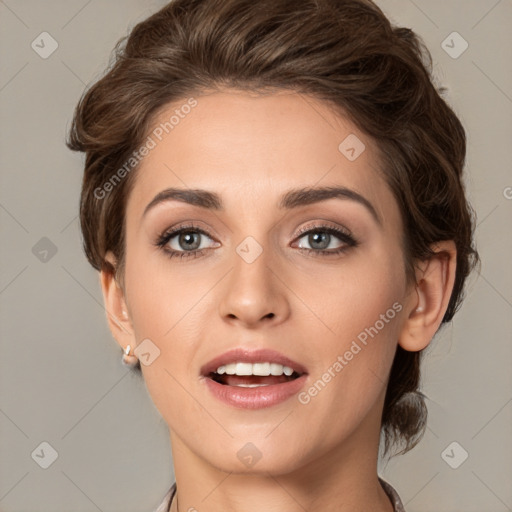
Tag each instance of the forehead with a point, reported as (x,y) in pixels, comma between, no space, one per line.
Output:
(249,146)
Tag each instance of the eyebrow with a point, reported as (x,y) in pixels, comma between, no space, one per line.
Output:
(294,198)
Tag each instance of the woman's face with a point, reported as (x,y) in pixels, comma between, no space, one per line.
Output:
(258,274)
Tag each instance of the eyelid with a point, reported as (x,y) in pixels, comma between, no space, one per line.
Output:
(323,225)
(186,226)
(175,230)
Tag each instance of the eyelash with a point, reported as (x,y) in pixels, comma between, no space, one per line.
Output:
(344,236)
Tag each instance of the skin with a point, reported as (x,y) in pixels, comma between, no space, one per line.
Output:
(251,149)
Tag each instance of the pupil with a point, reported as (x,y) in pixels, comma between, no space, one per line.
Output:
(314,240)
(187,237)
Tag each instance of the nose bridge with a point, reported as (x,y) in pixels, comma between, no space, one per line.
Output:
(253,291)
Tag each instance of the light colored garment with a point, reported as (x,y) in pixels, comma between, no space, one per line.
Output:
(166,503)
(390,491)
(393,496)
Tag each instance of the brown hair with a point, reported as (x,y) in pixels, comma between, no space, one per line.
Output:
(345,52)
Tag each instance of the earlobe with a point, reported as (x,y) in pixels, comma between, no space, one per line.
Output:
(115,306)
(426,309)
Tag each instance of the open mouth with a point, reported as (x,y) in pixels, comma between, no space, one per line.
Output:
(254,385)
(252,381)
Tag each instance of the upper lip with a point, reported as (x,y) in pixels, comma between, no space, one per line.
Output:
(244,355)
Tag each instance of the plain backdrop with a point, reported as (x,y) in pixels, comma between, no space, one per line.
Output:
(61,380)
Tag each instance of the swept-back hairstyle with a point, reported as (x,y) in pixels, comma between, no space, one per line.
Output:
(345,52)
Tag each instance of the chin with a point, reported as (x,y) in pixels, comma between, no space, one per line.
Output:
(258,458)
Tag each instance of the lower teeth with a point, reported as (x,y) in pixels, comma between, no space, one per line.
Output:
(250,385)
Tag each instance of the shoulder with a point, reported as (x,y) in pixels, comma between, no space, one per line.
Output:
(393,496)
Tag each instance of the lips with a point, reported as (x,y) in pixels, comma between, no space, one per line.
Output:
(253,391)
(243,355)
(256,398)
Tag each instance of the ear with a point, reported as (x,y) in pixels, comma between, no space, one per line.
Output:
(115,306)
(428,303)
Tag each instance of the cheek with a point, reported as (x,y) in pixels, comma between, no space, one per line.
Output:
(361,304)
(171,304)
(351,296)
(161,294)
(166,308)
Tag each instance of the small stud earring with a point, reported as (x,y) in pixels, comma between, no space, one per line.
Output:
(419,309)
(129,359)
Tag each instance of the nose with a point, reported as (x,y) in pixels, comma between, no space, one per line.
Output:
(254,293)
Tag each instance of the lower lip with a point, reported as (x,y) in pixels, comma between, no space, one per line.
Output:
(255,398)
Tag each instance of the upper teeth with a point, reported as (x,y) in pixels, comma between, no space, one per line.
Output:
(261,369)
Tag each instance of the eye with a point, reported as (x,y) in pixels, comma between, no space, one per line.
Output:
(319,238)
(183,241)
(186,241)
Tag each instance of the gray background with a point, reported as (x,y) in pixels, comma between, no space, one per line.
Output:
(61,380)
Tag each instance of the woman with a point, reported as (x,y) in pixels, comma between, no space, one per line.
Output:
(273,198)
